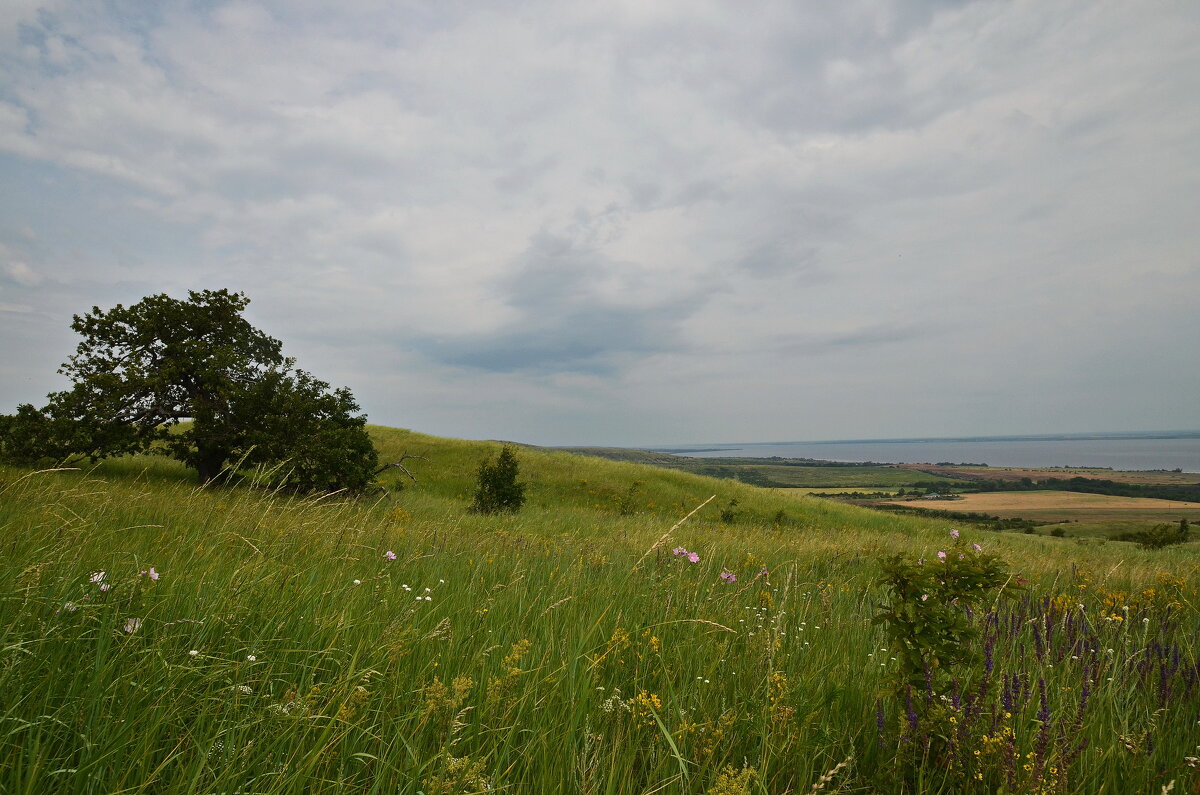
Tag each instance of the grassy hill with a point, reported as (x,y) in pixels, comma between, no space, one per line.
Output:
(562,649)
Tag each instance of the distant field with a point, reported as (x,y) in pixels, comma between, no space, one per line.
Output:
(1051,506)
(836,490)
(774,472)
(1016,473)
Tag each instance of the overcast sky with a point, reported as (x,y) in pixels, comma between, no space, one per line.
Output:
(637,222)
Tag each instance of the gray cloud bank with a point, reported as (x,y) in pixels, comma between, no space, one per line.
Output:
(629,222)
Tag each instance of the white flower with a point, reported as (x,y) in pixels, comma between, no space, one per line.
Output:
(193,653)
(97,576)
(428,598)
(250,658)
(132,625)
(358,582)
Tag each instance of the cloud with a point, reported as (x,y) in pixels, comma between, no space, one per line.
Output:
(605,209)
(22,274)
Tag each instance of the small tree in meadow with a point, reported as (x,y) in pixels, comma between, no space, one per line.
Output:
(497,489)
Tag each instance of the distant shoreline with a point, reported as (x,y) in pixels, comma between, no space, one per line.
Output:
(1045,437)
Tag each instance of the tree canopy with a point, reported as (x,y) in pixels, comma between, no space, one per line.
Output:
(195,380)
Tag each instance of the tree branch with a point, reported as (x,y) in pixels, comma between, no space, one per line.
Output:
(400,465)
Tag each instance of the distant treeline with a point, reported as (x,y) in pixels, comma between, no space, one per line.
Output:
(803,462)
(972,517)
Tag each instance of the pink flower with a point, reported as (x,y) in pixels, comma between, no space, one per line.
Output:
(954,534)
(728,577)
(151,573)
(976,547)
(390,555)
(677,551)
(924,597)
(941,556)
(693,557)
(97,576)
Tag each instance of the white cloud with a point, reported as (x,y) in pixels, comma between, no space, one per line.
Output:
(22,274)
(622,192)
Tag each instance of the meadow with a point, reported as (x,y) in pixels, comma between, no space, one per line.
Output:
(619,635)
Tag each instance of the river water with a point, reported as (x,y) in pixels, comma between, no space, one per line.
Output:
(1119,452)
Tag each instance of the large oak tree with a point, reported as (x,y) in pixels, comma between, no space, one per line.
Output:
(195,380)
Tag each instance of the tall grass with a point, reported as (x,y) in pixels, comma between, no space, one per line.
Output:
(281,650)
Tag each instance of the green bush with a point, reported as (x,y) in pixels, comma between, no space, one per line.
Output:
(497,489)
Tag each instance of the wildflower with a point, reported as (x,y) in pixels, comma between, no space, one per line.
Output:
(678,551)
(693,557)
(728,576)
(132,625)
(193,653)
(941,555)
(358,582)
(976,547)
(405,587)
(954,534)
(105,586)
(250,658)
(151,573)
(924,597)
(97,577)
(246,689)
(390,555)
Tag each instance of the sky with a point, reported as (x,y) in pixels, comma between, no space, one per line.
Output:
(626,222)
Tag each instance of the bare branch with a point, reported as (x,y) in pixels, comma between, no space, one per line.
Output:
(400,465)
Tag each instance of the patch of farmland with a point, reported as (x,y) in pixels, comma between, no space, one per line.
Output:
(1063,505)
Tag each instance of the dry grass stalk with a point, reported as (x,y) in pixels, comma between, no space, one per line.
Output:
(674,527)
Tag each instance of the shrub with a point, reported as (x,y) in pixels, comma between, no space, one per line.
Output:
(497,489)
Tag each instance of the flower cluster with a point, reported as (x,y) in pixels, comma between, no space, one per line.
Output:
(680,552)
(728,577)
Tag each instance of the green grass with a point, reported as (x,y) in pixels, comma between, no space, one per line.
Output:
(769,474)
(563,649)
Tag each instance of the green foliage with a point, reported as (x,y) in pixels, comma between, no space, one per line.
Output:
(142,370)
(30,437)
(930,615)
(728,514)
(627,505)
(1163,535)
(496,488)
